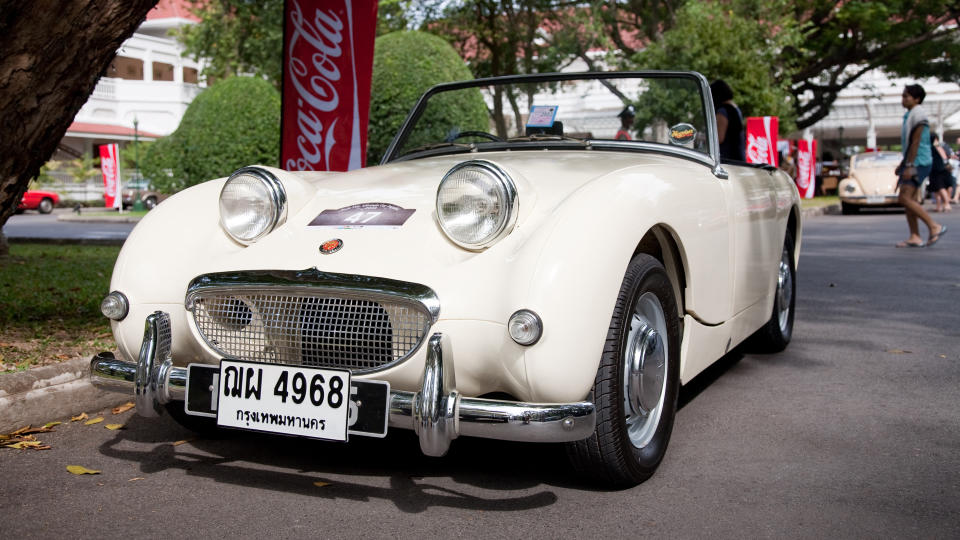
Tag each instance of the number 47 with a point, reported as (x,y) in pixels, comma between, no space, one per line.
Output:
(358,217)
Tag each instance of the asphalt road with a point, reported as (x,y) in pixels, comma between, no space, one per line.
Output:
(32,225)
(853,432)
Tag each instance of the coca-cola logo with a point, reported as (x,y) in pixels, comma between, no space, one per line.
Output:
(804,168)
(758,149)
(313,69)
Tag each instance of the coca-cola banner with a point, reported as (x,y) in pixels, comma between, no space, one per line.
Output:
(806,167)
(110,167)
(762,139)
(327,68)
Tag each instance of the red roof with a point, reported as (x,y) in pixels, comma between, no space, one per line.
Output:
(168,9)
(108,129)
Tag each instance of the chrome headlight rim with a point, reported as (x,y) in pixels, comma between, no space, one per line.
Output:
(511,203)
(277,198)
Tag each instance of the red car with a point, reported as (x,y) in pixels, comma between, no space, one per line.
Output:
(42,201)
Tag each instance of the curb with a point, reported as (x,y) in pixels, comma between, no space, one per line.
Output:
(97,219)
(40,395)
(831,209)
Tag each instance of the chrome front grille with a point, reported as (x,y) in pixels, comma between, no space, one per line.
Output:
(311,326)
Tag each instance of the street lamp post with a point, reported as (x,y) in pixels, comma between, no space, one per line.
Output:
(137,204)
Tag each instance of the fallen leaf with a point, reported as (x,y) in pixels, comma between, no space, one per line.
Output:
(184,441)
(321,484)
(92,421)
(51,424)
(114,426)
(135,479)
(898,351)
(77,418)
(77,469)
(24,444)
(123,408)
(43,429)
(943,356)
(19,431)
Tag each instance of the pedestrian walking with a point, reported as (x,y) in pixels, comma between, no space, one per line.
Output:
(626,117)
(940,177)
(915,167)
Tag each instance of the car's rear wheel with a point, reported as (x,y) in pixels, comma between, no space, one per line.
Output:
(150,203)
(46,206)
(635,390)
(775,335)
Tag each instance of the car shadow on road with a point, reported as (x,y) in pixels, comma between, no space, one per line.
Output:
(391,469)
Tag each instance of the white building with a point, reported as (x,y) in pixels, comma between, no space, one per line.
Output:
(149,83)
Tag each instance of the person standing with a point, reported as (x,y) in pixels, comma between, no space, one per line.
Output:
(730,125)
(626,123)
(915,167)
(940,176)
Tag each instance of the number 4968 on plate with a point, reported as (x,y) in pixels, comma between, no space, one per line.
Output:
(278,398)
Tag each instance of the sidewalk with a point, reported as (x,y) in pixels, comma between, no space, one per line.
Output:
(58,391)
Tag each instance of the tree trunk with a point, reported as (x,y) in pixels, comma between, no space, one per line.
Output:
(53,55)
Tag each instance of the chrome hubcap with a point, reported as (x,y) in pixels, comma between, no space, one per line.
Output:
(645,370)
(784,291)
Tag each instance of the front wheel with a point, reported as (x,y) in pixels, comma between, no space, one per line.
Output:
(636,387)
(150,203)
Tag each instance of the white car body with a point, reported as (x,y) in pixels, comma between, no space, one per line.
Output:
(718,231)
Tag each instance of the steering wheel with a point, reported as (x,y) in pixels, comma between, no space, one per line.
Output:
(482,134)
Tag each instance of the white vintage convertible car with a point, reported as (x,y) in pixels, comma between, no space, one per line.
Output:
(510,270)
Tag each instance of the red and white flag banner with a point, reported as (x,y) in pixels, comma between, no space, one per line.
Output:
(762,139)
(806,167)
(110,167)
(327,71)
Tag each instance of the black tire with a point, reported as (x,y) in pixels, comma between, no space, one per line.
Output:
(847,208)
(201,425)
(150,203)
(45,206)
(628,444)
(775,335)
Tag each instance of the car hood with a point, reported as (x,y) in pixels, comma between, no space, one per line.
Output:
(876,180)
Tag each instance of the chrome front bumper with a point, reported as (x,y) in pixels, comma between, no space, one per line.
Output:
(437,413)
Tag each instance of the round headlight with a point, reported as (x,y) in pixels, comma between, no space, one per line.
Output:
(476,204)
(252,203)
(115,306)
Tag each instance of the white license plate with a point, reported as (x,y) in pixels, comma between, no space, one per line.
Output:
(876,199)
(277,398)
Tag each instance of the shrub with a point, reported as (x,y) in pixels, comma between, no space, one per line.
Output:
(234,123)
(405,64)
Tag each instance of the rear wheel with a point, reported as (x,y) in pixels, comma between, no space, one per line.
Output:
(635,390)
(775,335)
(46,206)
(150,202)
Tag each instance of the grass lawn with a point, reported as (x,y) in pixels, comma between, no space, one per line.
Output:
(817,202)
(50,303)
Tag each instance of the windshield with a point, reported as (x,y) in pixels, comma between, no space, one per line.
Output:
(878,159)
(586,110)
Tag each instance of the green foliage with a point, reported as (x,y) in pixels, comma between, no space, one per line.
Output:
(722,44)
(83,169)
(132,154)
(234,123)
(405,64)
(237,37)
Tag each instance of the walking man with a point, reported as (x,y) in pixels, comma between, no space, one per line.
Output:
(915,167)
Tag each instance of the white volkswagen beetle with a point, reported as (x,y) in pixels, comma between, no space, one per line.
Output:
(522,276)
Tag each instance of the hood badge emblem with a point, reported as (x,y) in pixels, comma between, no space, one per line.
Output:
(331,246)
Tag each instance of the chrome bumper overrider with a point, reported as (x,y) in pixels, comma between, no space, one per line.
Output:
(437,413)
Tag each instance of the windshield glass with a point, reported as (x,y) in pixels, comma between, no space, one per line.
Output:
(878,159)
(581,110)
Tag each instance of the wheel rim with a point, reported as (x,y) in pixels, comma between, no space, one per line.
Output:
(784,292)
(645,370)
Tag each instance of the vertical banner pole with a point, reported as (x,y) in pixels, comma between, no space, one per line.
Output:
(327,72)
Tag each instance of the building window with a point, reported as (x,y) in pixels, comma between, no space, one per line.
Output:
(162,72)
(124,67)
(190,75)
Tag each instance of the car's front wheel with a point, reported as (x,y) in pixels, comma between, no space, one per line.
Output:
(636,387)
(150,203)
(46,206)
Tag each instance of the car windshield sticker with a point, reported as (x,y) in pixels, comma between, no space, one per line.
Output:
(363,215)
(542,116)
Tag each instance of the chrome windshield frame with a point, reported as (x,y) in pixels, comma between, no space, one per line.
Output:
(712,159)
